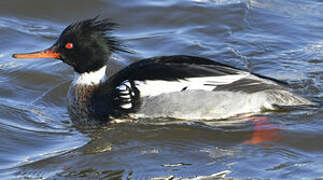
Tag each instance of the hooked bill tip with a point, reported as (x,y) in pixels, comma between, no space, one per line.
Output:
(15,56)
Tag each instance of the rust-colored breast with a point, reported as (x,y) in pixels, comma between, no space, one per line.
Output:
(79,104)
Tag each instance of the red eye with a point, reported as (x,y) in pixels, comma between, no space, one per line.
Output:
(69,45)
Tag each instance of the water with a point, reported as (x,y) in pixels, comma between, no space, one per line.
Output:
(276,38)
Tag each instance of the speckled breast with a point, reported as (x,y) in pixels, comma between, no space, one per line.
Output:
(79,104)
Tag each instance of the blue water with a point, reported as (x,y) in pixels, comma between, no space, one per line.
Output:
(276,38)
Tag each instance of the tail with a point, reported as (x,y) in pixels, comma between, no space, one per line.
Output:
(285,100)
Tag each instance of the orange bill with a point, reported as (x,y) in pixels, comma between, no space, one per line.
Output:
(48,53)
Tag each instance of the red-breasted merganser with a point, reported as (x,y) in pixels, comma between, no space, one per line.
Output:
(181,87)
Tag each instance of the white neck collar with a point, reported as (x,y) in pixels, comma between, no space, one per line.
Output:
(90,78)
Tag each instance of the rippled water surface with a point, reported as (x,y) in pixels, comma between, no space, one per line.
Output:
(276,38)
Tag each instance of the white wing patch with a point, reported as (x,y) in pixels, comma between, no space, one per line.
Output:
(157,87)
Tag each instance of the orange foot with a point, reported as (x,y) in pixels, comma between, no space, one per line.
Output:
(263,132)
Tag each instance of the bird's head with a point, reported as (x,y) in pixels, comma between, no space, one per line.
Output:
(84,45)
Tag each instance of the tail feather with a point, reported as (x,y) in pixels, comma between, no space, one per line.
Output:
(285,100)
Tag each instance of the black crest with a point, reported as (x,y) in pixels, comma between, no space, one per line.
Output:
(100,27)
(87,44)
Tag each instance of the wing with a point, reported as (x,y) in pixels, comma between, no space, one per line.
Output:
(249,84)
(172,68)
(154,76)
(164,74)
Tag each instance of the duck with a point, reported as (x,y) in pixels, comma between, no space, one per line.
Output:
(175,87)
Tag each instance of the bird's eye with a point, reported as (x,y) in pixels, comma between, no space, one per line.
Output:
(69,45)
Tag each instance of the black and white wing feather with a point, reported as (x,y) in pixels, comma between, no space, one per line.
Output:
(179,73)
(172,74)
